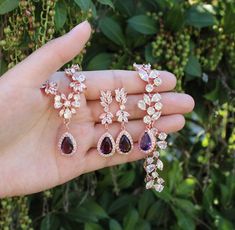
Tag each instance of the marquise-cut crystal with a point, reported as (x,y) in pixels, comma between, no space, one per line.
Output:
(156,97)
(150,111)
(143,75)
(147,119)
(162,144)
(159,164)
(149,160)
(157,81)
(162,136)
(149,184)
(154,73)
(158,187)
(149,88)
(158,106)
(160,181)
(147,99)
(156,115)
(142,105)
(155,174)
(156,154)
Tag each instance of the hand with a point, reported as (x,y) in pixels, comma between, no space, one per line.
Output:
(30,126)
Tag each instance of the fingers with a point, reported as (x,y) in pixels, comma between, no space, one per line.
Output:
(168,124)
(173,103)
(37,68)
(113,79)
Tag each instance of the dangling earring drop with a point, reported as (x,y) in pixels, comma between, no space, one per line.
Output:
(67,105)
(124,142)
(106,143)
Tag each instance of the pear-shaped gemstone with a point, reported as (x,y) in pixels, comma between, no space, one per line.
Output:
(67,145)
(124,144)
(145,142)
(106,146)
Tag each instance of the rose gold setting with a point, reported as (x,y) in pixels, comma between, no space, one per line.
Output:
(107,134)
(67,105)
(151,103)
(67,134)
(124,132)
(122,117)
(106,119)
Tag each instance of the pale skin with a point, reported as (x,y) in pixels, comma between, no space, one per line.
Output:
(30,127)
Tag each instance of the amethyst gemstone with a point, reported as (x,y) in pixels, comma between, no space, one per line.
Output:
(145,142)
(124,144)
(106,146)
(67,145)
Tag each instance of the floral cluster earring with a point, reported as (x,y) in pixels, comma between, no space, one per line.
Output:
(124,144)
(151,139)
(67,105)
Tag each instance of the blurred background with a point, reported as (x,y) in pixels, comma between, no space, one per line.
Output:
(193,39)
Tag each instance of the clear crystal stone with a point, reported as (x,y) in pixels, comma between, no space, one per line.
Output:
(57,98)
(143,75)
(58,105)
(156,154)
(150,168)
(67,114)
(160,180)
(155,174)
(162,144)
(150,111)
(149,184)
(158,106)
(156,115)
(76,104)
(157,81)
(76,97)
(154,73)
(154,131)
(142,105)
(149,88)
(67,103)
(147,119)
(162,136)
(156,97)
(159,164)
(158,187)
(122,107)
(147,99)
(149,160)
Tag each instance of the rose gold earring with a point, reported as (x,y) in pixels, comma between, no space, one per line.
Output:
(124,142)
(106,144)
(67,105)
(151,138)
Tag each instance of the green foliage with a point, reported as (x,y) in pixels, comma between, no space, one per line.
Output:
(193,39)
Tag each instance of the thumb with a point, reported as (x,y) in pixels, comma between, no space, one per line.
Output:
(37,67)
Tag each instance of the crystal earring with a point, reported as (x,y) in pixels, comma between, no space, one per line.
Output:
(124,142)
(106,144)
(67,106)
(151,139)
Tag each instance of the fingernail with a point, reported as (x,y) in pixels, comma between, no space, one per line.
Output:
(79,26)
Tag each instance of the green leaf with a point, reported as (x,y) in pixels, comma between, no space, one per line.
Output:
(228,19)
(175,18)
(199,16)
(130,220)
(60,15)
(112,30)
(185,205)
(8,5)
(3,67)
(125,7)
(145,201)
(100,61)
(106,2)
(143,24)
(114,225)
(83,4)
(48,221)
(92,226)
(126,179)
(120,204)
(214,94)
(186,187)
(184,221)
(193,67)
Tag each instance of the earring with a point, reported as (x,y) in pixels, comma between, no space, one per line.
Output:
(124,142)
(106,143)
(151,138)
(67,106)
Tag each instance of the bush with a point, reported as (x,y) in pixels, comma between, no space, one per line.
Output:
(195,40)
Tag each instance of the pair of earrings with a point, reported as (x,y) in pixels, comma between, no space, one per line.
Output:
(67,105)
(124,144)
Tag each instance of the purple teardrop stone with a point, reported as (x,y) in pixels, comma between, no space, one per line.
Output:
(124,144)
(67,145)
(106,146)
(145,142)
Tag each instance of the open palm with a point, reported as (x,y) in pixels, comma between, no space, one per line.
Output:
(30,126)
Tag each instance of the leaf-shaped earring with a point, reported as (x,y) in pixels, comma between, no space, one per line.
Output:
(124,142)
(106,143)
